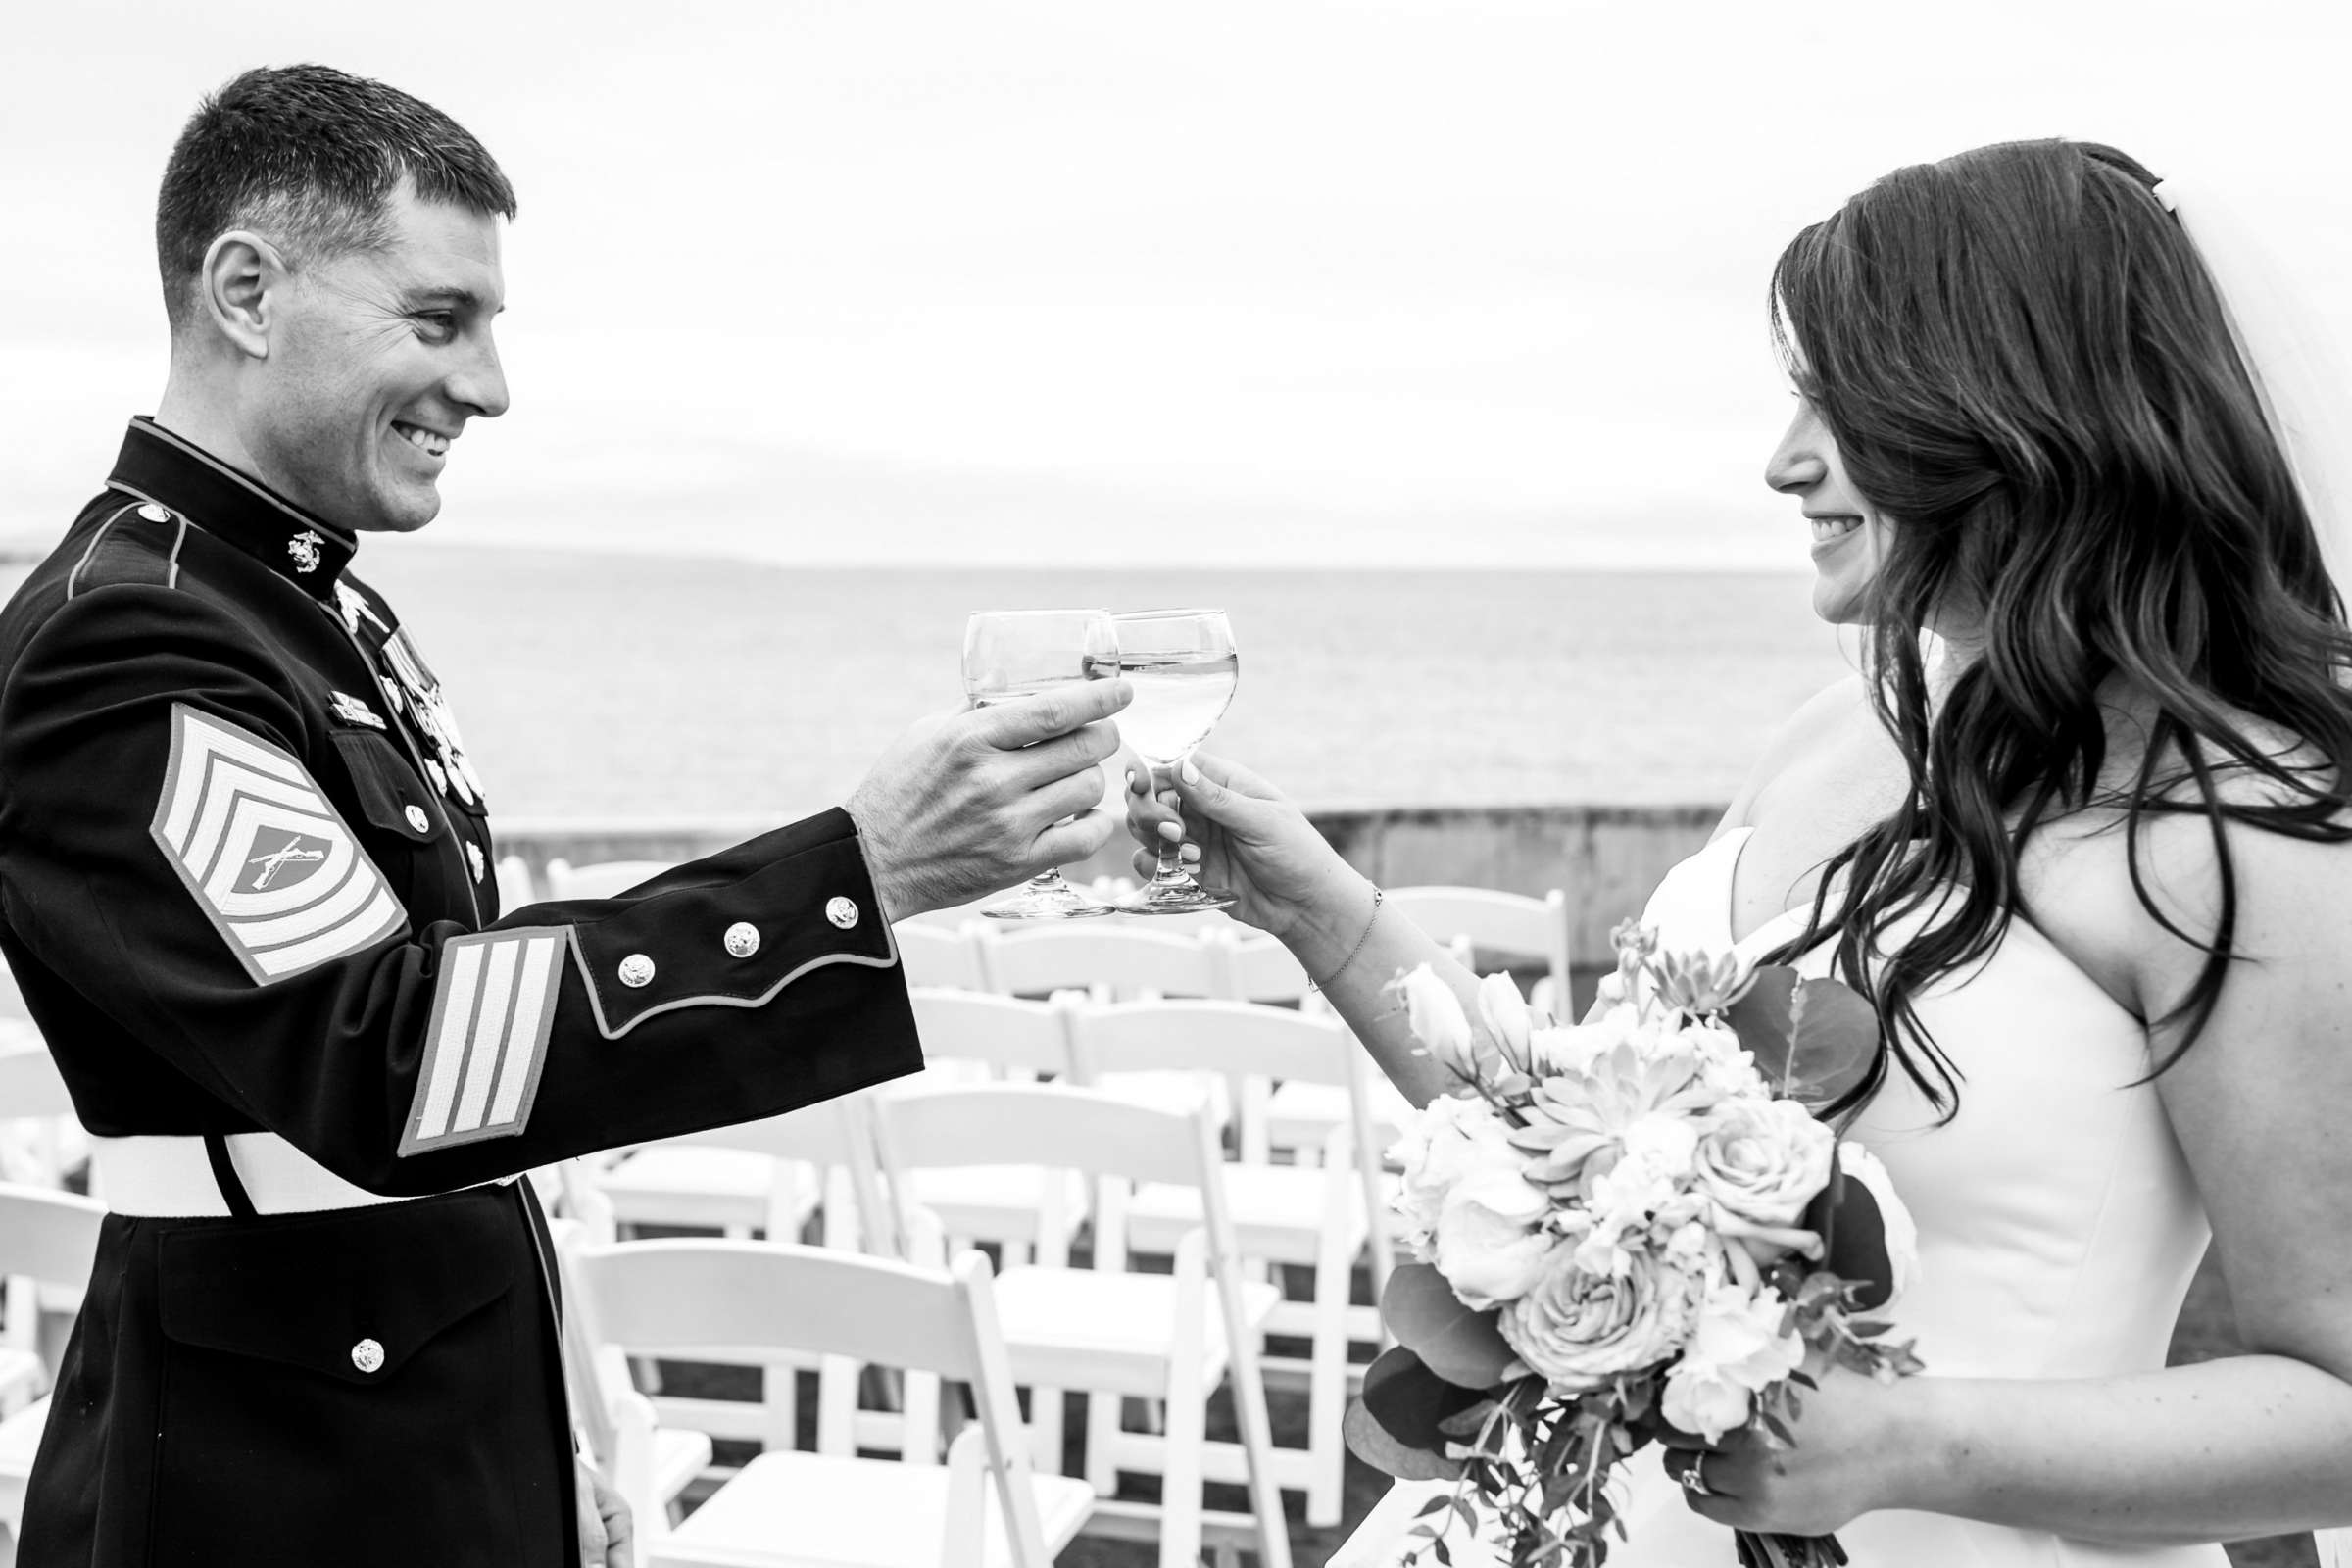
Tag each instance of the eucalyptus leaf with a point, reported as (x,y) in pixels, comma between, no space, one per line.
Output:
(1460,1345)
(1812,1040)
(1398,1426)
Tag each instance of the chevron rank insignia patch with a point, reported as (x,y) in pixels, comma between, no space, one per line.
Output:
(267,859)
(492,1013)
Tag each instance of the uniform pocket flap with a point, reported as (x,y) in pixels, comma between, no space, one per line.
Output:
(351,1294)
(391,794)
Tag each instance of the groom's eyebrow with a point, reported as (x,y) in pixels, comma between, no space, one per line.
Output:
(464,299)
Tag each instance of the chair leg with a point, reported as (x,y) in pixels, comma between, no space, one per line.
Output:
(1104,1412)
(1327,1398)
(1180,1483)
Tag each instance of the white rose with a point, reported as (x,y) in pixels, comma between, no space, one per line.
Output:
(1489,1241)
(1763,1159)
(1902,1231)
(1446,1140)
(1505,1012)
(1572,1050)
(1579,1329)
(1736,1350)
(1434,1014)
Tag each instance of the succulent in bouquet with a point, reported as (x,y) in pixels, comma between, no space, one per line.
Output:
(1636,1223)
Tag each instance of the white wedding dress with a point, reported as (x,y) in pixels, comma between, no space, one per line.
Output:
(2058,1227)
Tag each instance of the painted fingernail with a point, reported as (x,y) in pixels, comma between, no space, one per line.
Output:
(1131,789)
(1189,854)
(1191,775)
(1171,830)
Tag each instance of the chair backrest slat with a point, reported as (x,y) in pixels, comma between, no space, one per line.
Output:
(1041,1124)
(1237,1038)
(677,1296)
(1082,956)
(1495,922)
(1003,1032)
(942,955)
(47,1235)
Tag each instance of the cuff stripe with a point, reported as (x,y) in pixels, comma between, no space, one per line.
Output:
(491,1020)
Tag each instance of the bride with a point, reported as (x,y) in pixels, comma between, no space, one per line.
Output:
(2080,835)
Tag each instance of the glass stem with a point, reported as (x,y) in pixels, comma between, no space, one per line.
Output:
(1170,872)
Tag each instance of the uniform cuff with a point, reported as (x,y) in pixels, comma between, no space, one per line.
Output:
(736,929)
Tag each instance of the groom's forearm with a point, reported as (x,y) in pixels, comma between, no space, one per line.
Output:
(2224,1451)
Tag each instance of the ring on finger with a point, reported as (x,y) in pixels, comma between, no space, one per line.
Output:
(1693,1481)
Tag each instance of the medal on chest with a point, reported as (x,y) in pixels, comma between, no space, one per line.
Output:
(419,693)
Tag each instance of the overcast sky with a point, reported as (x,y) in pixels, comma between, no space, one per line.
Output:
(1255,283)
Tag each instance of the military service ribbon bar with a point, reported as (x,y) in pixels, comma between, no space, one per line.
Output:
(492,1011)
(269,859)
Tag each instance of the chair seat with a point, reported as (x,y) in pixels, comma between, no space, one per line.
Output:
(20,1440)
(1094,1329)
(995,1202)
(1279,1213)
(803,1511)
(683,1184)
(1301,1115)
(680,1455)
(22,1379)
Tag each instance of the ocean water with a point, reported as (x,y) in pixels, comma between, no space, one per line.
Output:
(599,685)
(596,685)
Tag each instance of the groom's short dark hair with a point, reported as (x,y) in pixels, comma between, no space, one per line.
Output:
(308,156)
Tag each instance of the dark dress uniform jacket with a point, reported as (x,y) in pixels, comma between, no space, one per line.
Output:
(243,886)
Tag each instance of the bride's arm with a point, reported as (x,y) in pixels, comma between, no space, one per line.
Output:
(2258,1443)
(1247,838)
(2254,1444)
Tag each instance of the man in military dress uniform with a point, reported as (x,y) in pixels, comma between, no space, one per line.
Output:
(244,887)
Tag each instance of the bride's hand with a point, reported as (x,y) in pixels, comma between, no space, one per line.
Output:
(1853,1445)
(1244,836)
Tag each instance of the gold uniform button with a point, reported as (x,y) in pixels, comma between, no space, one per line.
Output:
(636,970)
(417,820)
(367,1356)
(741,938)
(155,512)
(843,913)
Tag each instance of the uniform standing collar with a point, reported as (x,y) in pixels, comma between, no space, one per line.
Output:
(305,549)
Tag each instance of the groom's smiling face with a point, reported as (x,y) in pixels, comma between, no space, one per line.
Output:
(1848,533)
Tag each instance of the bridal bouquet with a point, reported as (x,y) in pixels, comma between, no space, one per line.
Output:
(1634,1220)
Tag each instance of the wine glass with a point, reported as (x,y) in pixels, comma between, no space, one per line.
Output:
(1182,668)
(1009,654)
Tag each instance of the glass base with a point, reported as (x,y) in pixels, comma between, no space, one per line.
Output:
(1176,897)
(1049,897)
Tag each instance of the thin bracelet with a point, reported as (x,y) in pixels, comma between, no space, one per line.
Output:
(1379,898)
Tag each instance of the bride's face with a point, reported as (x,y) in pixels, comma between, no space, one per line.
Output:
(1845,530)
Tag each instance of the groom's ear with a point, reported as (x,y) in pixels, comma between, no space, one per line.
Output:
(242,292)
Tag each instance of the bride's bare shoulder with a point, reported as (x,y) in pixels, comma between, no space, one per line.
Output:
(1829,726)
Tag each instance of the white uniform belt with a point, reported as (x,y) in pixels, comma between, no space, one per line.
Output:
(172,1178)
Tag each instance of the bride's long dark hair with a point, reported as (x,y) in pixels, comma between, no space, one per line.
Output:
(2026,369)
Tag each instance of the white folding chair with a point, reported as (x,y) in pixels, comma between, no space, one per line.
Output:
(947,957)
(601,879)
(815,1162)
(1317,1218)
(604,1401)
(1168,1337)
(514,889)
(50,1237)
(985,1507)
(41,1140)
(1499,925)
(1114,960)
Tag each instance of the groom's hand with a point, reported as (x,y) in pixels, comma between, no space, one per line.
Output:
(966,804)
(606,1529)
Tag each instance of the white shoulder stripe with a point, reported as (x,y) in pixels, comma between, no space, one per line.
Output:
(269,859)
(491,1014)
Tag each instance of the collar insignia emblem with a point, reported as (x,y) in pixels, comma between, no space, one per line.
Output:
(304,548)
(351,710)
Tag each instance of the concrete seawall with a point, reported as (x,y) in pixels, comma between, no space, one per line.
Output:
(1606,858)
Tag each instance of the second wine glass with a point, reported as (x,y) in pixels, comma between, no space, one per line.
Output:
(1184,668)
(1009,654)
